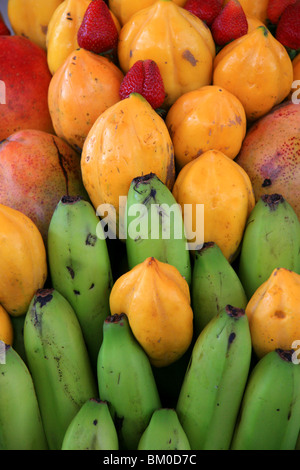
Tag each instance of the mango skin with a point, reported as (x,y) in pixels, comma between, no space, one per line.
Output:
(274,312)
(26,77)
(36,170)
(156,300)
(270,154)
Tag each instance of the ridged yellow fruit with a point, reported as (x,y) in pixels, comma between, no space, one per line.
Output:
(127,140)
(274,313)
(156,299)
(178,41)
(223,187)
(125,9)
(210,118)
(257,69)
(23,264)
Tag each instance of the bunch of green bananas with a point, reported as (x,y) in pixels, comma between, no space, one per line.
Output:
(80,380)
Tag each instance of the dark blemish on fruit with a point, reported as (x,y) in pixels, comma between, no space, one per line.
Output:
(187,55)
(91,240)
(71,271)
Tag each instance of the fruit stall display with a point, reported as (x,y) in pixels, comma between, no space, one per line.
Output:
(156,332)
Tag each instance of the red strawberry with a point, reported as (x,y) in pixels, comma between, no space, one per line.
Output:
(288,27)
(98,32)
(4,31)
(230,24)
(276,8)
(206,10)
(144,77)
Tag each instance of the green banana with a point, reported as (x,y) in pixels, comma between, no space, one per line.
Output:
(80,267)
(152,208)
(271,240)
(21,425)
(126,381)
(58,361)
(215,284)
(92,428)
(270,412)
(164,432)
(215,380)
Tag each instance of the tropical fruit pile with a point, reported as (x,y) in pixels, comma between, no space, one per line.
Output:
(150,225)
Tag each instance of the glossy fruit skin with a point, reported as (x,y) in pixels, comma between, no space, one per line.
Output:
(210,118)
(63,27)
(25,78)
(271,239)
(30,18)
(95,80)
(126,381)
(92,428)
(179,42)
(264,78)
(215,379)
(274,312)
(165,237)
(23,264)
(79,266)
(270,154)
(124,10)
(120,147)
(270,410)
(58,362)
(52,169)
(21,426)
(156,299)
(218,182)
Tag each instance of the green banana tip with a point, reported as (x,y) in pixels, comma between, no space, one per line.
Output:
(143,179)
(43,296)
(68,199)
(234,312)
(285,354)
(272,200)
(116,318)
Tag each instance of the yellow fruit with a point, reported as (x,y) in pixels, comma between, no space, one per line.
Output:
(129,139)
(223,187)
(6,327)
(156,300)
(274,312)
(95,82)
(125,9)
(210,118)
(257,69)
(63,27)
(30,18)
(23,265)
(179,42)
